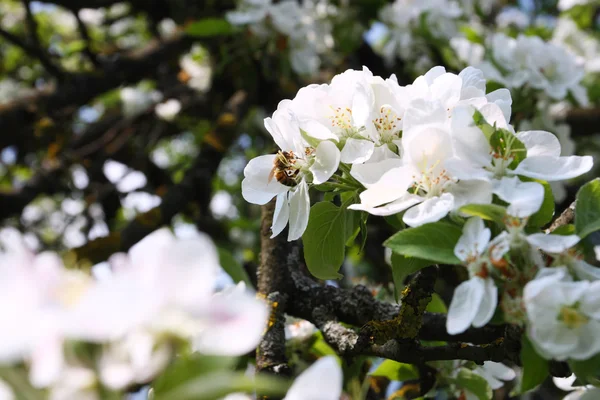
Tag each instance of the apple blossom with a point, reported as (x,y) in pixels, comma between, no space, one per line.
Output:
(288,173)
(563,315)
(494,373)
(168,110)
(475,300)
(6,392)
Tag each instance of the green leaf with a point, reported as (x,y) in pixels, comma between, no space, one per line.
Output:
(436,305)
(587,371)
(233,267)
(208,27)
(587,210)
(535,367)
(434,242)
(474,383)
(564,230)
(186,368)
(490,212)
(324,240)
(396,371)
(217,385)
(546,211)
(403,266)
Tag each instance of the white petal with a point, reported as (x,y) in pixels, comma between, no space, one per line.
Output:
(256,188)
(589,342)
(464,305)
(327,159)
(502,98)
(554,168)
(422,112)
(590,301)
(463,169)
(404,202)
(434,73)
(6,392)
(47,362)
(322,380)
(493,114)
(597,252)
(488,304)
(317,130)
(471,192)
(362,104)
(235,326)
(472,78)
(540,143)
(525,198)
(474,239)
(431,210)
(585,271)
(152,248)
(552,243)
(281,215)
(470,143)
(369,173)
(392,185)
(357,151)
(499,245)
(299,210)
(499,370)
(447,88)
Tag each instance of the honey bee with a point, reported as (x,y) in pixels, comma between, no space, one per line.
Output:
(283,168)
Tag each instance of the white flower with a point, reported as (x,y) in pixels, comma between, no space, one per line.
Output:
(512,16)
(136,100)
(542,65)
(135,359)
(306,25)
(6,392)
(468,52)
(356,109)
(474,300)
(299,329)
(234,325)
(494,373)
(476,159)
(563,315)
(426,149)
(322,380)
(567,145)
(168,110)
(75,383)
(583,46)
(198,72)
(567,4)
(288,173)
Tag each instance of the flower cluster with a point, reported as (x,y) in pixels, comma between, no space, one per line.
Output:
(528,60)
(425,149)
(77,334)
(305,26)
(405,21)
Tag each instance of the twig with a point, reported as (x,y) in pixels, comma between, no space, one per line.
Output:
(565,218)
(83,32)
(37,50)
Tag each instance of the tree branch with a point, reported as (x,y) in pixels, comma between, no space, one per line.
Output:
(195,186)
(59,103)
(567,216)
(272,275)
